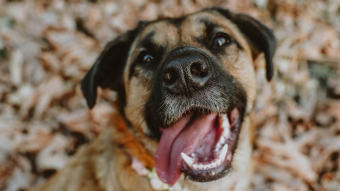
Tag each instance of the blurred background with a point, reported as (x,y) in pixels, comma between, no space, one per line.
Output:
(46,47)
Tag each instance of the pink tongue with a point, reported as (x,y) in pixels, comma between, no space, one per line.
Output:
(174,141)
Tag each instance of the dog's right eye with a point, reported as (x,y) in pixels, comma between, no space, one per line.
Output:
(145,57)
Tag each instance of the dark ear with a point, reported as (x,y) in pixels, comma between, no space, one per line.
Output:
(107,71)
(260,37)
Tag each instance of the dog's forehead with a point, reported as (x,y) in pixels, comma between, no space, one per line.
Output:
(202,23)
(182,31)
(162,32)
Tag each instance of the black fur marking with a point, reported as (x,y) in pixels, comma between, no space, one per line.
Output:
(205,39)
(108,69)
(147,40)
(209,28)
(176,21)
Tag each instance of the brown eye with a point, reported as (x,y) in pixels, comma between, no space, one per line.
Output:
(221,40)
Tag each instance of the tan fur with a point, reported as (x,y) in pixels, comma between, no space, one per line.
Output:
(105,165)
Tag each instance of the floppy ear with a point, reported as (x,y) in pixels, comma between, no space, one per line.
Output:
(107,71)
(260,37)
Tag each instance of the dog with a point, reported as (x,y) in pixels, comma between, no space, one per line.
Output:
(186,87)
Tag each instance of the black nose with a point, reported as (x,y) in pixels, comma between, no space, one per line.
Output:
(186,71)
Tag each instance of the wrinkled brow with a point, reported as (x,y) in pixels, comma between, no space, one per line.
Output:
(209,26)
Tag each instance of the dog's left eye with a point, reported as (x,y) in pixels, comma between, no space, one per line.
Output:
(145,57)
(220,40)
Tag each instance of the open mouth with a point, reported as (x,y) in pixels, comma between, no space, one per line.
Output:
(199,145)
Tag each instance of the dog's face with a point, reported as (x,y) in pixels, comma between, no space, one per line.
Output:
(186,83)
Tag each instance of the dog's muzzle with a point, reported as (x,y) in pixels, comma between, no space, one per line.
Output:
(196,107)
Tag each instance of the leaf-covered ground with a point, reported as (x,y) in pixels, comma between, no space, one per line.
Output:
(46,47)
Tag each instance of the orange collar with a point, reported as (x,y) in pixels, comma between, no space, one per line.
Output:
(125,138)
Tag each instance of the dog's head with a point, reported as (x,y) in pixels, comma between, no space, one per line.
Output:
(188,83)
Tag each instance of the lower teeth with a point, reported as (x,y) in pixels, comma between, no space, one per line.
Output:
(199,166)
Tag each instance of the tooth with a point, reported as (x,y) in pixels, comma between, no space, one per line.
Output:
(226,132)
(223,152)
(187,159)
(225,121)
(213,164)
(226,126)
(217,147)
(206,166)
(220,142)
(201,166)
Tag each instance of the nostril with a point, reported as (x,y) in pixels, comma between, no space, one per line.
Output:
(199,69)
(169,77)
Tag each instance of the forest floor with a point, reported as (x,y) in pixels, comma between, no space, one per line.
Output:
(46,47)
